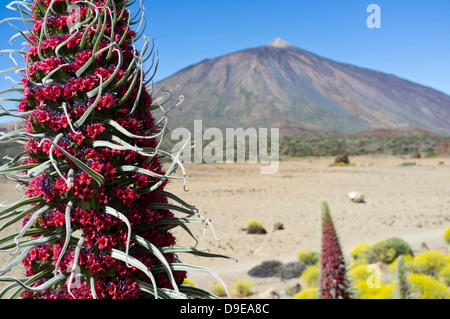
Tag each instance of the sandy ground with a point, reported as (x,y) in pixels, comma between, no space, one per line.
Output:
(410,202)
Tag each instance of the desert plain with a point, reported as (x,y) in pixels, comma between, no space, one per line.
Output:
(411,202)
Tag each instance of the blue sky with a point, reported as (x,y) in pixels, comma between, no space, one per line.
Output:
(412,43)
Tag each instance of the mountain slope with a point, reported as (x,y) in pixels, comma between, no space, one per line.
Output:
(279,83)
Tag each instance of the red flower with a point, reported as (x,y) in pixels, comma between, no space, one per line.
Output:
(78,137)
(94,130)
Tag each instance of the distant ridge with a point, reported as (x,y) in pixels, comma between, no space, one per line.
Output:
(280,83)
(394,132)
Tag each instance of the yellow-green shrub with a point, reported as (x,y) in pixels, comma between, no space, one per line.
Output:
(430,262)
(242,288)
(188,282)
(410,266)
(359,273)
(387,250)
(355,263)
(310,277)
(363,291)
(358,252)
(444,275)
(219,290)
(308,293)
(344,164)
(447,235)
(426,287)
(254,226)
(308,257)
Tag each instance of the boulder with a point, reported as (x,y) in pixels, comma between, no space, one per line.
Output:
(278,226)
(266,269)
(356,197)
(416,155)
(293,270)
(275,268)
(343,158)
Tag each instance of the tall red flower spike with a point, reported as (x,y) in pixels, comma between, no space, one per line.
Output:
(333,281)
(96,219)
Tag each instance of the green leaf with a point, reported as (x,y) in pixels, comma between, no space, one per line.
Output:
(27,280)
(177,199)
(185,267)
(197,293)
(30,232)
(32,220)
(21,202)
(119,128)
(119,255)
(14,260)
(122,217)
(112,78)
(91,108)
(131,168)
(98,177)
(155,251)
(35,241)
(194,251)
(148,288)
(49,283)
(171,207)
(17,168)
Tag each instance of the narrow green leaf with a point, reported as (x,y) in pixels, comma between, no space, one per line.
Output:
(185,267)
(193,251)
(155,251)
(45,285)
(98,177)
(21,202)
(122,217)
(194,292)
(119,255)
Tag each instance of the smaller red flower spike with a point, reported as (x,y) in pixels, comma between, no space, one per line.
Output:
(333,281)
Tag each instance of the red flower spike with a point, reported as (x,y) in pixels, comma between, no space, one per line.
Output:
(333,281)
(80,157)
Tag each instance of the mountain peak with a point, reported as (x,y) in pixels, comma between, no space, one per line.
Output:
(280,43)
(280,85)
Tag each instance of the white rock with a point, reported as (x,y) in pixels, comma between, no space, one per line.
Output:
(356,197)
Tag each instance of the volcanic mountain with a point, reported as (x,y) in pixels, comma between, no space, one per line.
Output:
(280,85)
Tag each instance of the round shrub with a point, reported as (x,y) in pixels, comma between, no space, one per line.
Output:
(308,257)
(447,235)
(188,282)
(387,250)
(310,277)
(430,262)
(359,273)
(358,252)
(309,293)
(254,226)
(410,266)
(219,290)
(363,291)
(242,288)
(426,287)
(355,263)
(444,275)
